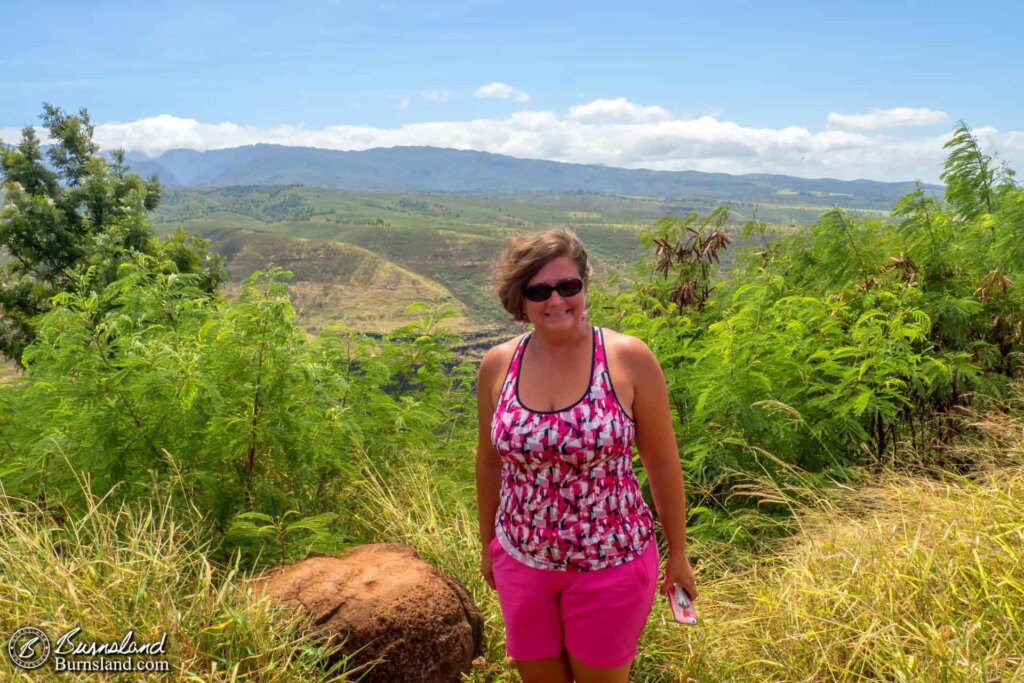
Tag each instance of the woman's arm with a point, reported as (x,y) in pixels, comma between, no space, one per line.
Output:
(488,463)
(656,441)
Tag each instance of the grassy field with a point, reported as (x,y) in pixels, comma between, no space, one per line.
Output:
(911,576)
(906,579)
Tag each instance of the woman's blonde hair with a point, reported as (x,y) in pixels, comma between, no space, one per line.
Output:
(525,256)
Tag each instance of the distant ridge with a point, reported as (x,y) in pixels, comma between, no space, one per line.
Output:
(438,170)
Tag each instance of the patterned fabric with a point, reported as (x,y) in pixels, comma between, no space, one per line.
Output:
(569,497)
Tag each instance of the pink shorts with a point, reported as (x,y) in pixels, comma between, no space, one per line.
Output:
(597,616)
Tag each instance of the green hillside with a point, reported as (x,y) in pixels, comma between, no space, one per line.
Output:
(334,283)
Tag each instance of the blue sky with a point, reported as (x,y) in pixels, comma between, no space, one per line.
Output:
(731,86)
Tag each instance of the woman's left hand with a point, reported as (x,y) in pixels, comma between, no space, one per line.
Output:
(678,571)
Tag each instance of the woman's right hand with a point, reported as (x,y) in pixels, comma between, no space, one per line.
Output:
(485,567)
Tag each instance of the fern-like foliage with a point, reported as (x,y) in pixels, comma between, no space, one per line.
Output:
(974,182)
(833,347)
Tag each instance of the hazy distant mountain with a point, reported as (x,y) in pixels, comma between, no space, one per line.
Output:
(436,170)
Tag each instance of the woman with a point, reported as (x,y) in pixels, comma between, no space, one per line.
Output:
(568,541)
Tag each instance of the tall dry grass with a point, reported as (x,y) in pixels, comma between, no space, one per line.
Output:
(118,568)
(908,577)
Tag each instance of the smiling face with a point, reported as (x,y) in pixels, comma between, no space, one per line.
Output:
(557,313)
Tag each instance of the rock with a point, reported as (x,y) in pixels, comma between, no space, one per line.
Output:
(388,604)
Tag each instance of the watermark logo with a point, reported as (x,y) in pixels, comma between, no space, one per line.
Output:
(28,648)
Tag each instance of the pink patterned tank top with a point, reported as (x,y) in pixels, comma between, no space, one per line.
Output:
(569,497)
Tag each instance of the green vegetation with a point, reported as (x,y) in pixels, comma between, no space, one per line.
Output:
(224,406)
(847,407)
(82,212)
(826,348)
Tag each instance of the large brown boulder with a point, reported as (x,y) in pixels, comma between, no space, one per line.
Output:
(388,604)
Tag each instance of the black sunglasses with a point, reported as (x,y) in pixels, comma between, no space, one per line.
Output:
(570,286)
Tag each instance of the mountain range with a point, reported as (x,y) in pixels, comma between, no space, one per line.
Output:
(449,171)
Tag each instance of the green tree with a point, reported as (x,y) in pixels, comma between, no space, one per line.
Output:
(76,211)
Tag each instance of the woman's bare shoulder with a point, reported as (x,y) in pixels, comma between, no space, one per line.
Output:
(637,366)
(499,356)
(626,347)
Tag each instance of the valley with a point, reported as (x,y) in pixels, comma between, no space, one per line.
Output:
(359,258)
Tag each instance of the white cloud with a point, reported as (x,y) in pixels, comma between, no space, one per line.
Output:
(501,91)
(10,136)
(157,134)
(619,109)
(402,104)
(898,117)
(440,95)
(705,143)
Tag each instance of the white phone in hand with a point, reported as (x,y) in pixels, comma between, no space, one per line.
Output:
(682,606)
